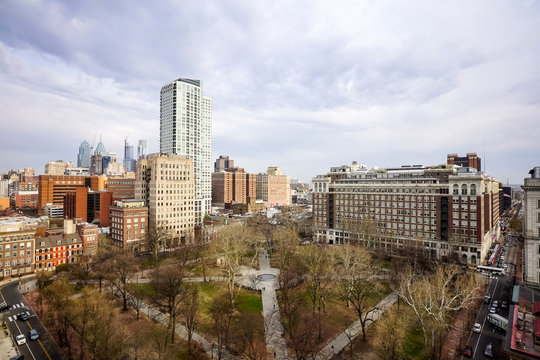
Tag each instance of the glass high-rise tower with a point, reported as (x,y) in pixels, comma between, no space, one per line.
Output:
(83,159)
(186,129)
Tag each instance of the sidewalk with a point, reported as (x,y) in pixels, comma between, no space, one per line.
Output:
(342,340)
(275,337)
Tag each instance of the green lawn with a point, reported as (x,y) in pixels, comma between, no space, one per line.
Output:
(147,288)
(414,343)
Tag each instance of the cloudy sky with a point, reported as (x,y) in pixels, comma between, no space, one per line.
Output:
(304,85)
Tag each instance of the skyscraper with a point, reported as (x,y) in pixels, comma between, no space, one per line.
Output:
(100,148)
(128,156)
(186,129)
(142,149)
(83,159)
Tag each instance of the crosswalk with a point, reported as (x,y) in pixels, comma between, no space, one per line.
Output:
(17,306)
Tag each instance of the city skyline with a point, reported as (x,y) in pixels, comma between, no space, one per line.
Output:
(384,84)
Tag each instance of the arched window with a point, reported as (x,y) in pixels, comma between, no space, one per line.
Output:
(456,190)
(473,189)
(464,189)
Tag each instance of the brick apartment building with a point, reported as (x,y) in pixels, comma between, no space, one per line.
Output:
(57,249)
(442,211)
(129,224)
(89,236)
(233,186)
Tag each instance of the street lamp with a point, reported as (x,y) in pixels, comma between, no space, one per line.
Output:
(212,351)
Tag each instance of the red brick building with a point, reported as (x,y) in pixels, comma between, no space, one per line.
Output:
(88,205)
(121,188)
(53,188)
(58,249)
(129,224)
(89,236)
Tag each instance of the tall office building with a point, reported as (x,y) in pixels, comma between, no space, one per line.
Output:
(83,159)
(142,149)
(186,129)
(165,184)
(128,156)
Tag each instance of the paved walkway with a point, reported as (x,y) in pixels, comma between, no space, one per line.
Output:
(342,340)
(275,337)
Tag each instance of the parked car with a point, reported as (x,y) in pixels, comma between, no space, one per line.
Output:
(489,350)
(492,310)
(21,340)
(33,335)
(487,299)
(477,328)
(18,357)
(495,304)
(468,351)
(504,305)
(4,308)
(23,316)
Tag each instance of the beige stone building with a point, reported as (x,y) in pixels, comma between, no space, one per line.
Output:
(274,187)
(57,167)
(531,227)
(166,185)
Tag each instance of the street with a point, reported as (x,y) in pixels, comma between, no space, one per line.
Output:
(500,289)
(42,348)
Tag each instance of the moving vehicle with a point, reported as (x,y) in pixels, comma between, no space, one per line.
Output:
(504,305)
(489,350)
(487,299)
(495,304)
(468,351)
(23,316)
(491,270)
(21,340)
(33,335)
(4,308)
(499,321)
(477,328)
(492,310)
(18,357)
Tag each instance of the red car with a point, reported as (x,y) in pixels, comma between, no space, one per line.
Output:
(468,352)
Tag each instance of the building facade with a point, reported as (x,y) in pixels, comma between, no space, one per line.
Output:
(57,167)
(470,160)
(16,250)
(232,186)
(142,150)
(166,185)
(274,187)
(444,211)
(186,129)
(223,163)
(121,188)
(129,224)
(53,188)
(89,206)
(531,227)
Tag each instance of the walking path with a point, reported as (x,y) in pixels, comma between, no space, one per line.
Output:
(275,338)
(344,339)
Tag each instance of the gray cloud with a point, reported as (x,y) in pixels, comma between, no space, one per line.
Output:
(305,85)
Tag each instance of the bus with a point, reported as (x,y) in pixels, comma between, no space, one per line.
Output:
(491,270)
(499,321)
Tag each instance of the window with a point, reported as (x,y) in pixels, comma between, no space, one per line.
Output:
(456,190)
(464,189)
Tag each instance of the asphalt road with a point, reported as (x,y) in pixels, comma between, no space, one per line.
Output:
(500,288)
(44,347)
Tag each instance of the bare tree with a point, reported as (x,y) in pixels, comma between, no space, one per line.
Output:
(188,309)
(136,299)
(390,334)
(357,282)
(121,269)
(222,311)
(235,245)
(434,297)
